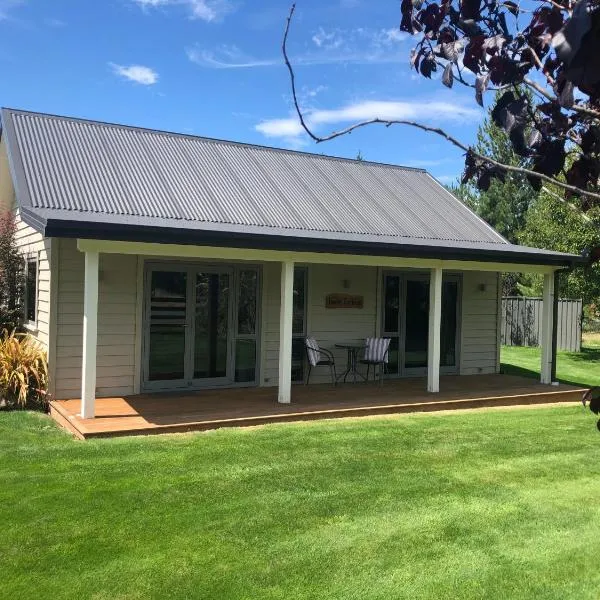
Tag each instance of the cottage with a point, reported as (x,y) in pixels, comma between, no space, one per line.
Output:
(162,262)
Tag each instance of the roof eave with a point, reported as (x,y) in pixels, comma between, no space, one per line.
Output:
(182,236)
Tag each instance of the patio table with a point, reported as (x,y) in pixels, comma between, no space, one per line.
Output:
(353,350)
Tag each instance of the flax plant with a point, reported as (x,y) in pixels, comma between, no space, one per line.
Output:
(23,371)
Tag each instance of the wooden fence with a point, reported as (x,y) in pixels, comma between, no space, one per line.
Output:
(521,322)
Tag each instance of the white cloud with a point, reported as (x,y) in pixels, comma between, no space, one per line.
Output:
(350,46)
(207,10)
(448,179)
(6,6)
(426,162)
(228,57)
(136,73)
(329,40)
(418,110)
(362,47)
(53,22)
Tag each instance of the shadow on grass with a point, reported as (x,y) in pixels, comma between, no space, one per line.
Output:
(509,369)
(587,354)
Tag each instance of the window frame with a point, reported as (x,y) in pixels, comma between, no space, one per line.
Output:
(31,257)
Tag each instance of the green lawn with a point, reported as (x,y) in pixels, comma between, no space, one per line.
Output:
(489,504)
(578,368)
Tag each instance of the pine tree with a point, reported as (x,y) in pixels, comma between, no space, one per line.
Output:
(504,205)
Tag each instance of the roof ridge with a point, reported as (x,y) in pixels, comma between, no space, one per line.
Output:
(18,111)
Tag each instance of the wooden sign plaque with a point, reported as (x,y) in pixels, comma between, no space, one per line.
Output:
(344,301)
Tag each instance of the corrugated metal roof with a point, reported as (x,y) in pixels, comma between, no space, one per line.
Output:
(97,169)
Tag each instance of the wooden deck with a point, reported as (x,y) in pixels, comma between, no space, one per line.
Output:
(212,409)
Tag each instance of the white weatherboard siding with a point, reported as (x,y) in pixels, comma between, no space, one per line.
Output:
(116,369)
(116,323)
(328,326)
(479,329)
(31,243)
(332,326)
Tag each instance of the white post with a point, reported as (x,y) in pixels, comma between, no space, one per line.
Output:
(435,326)
(547,324)
(285,332)
(90,336)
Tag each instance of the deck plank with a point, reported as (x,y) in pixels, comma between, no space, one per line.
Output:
(211,409)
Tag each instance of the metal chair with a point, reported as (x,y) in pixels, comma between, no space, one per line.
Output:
(376,354)
(319,357)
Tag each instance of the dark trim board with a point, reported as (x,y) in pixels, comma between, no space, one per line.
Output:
(227,239)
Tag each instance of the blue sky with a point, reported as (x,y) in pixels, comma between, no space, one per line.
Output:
(214,68)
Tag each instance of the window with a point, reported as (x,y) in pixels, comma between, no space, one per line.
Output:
(299,323)
(31,289)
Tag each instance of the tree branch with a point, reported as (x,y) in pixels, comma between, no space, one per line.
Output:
(389,122)
(575,108)
(569,205)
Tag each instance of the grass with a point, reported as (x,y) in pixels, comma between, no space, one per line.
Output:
(484,504)
(577,368)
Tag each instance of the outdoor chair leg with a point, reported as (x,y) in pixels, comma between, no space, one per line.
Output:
(333,377)
(308,374)
(368,370)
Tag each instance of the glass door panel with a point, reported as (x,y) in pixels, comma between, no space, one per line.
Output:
(405,315)
(167,326)
(211,325)
(202,325)
(417,324)
(391,321)
(449,324)
(247,326)
(245,360)
(299,323)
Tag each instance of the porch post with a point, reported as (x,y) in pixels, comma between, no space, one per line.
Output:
(435,325)
(90,336)
(285,332)
(547,325)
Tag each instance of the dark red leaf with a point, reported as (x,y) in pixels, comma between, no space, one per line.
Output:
(448,75)
(470,9)
(481,84)
(470,168)
(499,111)
(551,157)
(534,138)
(484,180)
(431,17)
(406,24)
(590,140)
(566,97)
(428,66)
(474,53)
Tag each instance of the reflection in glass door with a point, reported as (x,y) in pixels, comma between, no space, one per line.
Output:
(406,322)
(167,327)
(211,325)
(201,326)
(417,324)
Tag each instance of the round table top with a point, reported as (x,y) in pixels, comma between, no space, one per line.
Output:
(356,346)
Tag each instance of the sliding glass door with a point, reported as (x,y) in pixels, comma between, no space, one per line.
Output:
(406,321)
(201,326)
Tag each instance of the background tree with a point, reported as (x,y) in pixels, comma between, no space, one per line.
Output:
(551,223)
(551,47)
(11,277)
(505,203)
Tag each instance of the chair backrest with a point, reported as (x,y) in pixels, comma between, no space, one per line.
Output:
(376,349)
(312,351)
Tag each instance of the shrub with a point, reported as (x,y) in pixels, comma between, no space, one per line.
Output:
(11,276)
(23,372)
